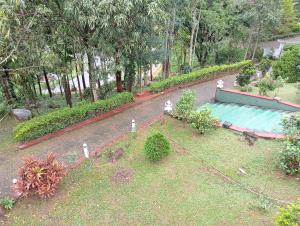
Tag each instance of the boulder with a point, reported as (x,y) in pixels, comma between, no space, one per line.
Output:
(22,114)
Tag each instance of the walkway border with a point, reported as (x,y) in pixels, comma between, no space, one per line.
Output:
(139,99)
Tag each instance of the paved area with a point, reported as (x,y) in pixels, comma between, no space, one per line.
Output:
(69,145)
(276,43)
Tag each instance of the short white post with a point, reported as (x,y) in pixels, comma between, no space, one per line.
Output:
(235,84)
(220,84)
(168,107)
(86,151)
(133,126)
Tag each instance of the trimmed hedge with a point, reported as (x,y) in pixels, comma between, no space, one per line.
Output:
(199,74)
(62,118)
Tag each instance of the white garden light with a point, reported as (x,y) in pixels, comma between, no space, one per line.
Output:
(168,107)
(86,151)
(220,84)
(133,126)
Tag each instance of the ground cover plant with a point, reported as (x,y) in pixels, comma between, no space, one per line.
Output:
(181,189)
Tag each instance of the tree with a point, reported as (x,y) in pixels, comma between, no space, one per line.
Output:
(289,21)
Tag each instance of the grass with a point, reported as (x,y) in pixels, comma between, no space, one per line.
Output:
(6,138)
(289,92)
(179,190)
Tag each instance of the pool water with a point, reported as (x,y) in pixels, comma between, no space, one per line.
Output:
(250,117)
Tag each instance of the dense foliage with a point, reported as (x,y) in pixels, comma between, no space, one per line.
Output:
(40,177)
(185,104)
(288,66)
(290,155)
(289,216)
(195,75)
(156,147)
(62,118)
(203,121)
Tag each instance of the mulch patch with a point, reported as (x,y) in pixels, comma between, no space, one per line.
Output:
(122,175)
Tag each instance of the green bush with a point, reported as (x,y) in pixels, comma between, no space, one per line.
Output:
(64,117)
(156,147)
(185,104)
(289,216)
(7,203)
(244,77)
(203,121)
(289,157)
(288,65)
(265,65)
(268,83)
(246,88)
(195,75)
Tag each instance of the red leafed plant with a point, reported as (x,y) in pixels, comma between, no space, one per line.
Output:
(40,177)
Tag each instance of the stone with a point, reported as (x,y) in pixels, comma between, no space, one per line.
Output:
(22,114)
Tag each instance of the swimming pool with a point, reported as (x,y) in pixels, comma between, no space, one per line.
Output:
(249,117)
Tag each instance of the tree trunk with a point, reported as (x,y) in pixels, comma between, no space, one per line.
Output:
(78,80)
(248,46)
(118,72)
(151,72)
(73,83)
(59,83)
(67,90)
(10,85)
(47,83)
(255,47)
(92,75)
(192,39)
(5,88)
(82,72)
(39,84)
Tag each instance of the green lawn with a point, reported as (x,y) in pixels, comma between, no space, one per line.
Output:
(179,190)
(289,93)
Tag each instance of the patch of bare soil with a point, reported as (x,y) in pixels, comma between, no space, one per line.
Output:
(122,175)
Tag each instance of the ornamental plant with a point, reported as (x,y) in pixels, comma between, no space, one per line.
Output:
(7,203)
(40,177)
(203,121)
(185,104)
(156,147)
(289,216)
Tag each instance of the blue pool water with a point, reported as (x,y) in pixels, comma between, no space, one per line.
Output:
(250,117)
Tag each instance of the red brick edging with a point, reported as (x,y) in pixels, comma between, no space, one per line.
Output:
(139,99)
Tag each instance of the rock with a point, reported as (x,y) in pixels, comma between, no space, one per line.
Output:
(53,106)
(22,114)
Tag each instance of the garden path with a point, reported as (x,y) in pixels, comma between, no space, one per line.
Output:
(69,146)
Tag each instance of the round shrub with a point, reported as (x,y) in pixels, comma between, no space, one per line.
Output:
(289,215)
(156,147)
(203,121)
(288,65)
